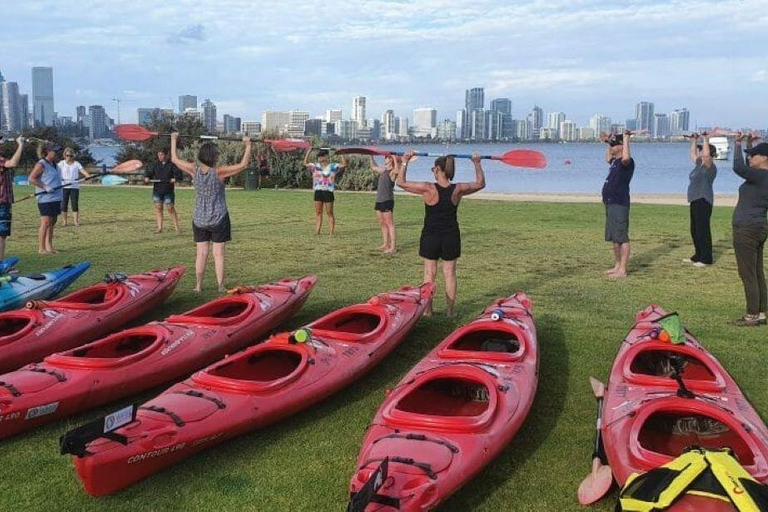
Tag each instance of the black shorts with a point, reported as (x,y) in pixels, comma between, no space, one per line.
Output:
(324,196)
(52,209)
(218,234)
(385,206)
(70,195)
(440,246)
(5,219)
(617,223)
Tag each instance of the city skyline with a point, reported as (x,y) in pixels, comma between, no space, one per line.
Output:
(297,57)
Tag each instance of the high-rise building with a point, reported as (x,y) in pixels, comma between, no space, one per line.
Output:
(474,100)
(98,125)
(537,120)
(554,120)
(209,116)
(186,101)
(661,126)
(314,127)
(461,122)
(402,126)
(631,125)
(600,123)
(523,129)
(80,113)
(231,124)
(358,111)
(42,95)
(587,133)
(251,127)
(147,116)
(679,121)
(10,106)
(274,121)
(296,120)
(333,115)
(24,108)
(494,124)
(477,124)
(446,130)
(644,117)
(568,131)
(376,129)
(193,113)
(347,130)
(425,122)
(502,128)
(388,125)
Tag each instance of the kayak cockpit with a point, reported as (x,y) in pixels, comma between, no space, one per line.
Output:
(121,349)
(653,364)
(353,324)
(492,341)
(229,310)
(15,325)
(94,297)
(265,368)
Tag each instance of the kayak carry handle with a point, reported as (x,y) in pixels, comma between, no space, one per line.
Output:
(360,500)
(75,441)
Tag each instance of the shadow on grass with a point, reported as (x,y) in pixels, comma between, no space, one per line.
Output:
(542,419)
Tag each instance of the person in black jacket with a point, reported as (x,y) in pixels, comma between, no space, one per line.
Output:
(163,174)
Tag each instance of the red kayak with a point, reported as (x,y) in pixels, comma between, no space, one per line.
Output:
(45,327)
(649,419)
(140,358)
(254,388)
(451,414)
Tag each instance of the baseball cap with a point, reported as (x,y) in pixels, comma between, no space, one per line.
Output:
(760,149)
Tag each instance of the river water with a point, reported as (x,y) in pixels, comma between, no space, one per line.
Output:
(660,168)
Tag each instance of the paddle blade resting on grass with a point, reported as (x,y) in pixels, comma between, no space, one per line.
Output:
(134,132)
(600,479)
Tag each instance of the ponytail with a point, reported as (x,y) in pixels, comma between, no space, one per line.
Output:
(447,164)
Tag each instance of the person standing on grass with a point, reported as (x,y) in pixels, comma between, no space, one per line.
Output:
(750,228)
(46,178)
(324,174)
(71,170)
(210,221)
(385,201)
(440,237)
(701,197)
(6,192)
(616,199)
(164,174)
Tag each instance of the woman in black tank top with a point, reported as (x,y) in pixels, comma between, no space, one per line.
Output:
(440,237)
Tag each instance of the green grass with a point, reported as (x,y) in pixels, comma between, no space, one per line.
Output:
(554,252)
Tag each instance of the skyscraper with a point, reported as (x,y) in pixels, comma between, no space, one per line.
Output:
(554,119)
(474,100)
(425,122)
(209,116)
(231,124)
(24,109)
(296,120)
(477,124)
(98,125)
(644,117)
(186,101)
(679,121)
(600,123)
(537,119)
(506,129)
(568,131)
(274,121)
(661,126)
(42,95)
(461,123)
(358,111)
(80,114)
(333,115)
(10,107)
(388,125)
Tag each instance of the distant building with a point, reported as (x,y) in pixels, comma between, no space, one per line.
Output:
(568,131)
(251,127)
(147,116)
(461,122)
(314,127)
(446,130)
(42,95)
(333,115)
(506,129)
(546,133)
(402,126)
(209,116)
(600,123)
(10,108)
(631,125)
(376,129)
(274,121)
(523,129)
(80,114)
(388,125)
(474,101)
(587,133)
(425,122)
(296,120)
(661,126)
(644,117)
(494,124)
(347,130)
(358,111)
(536,120)
(231,124)
(97,128)
(24,109)
(554,121)
(193,113)
(679,121)
(186,101)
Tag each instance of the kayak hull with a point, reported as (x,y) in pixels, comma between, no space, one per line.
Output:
(645,424)
(42,286)
(455,411)
(252,389)
(137,359)
(88,314)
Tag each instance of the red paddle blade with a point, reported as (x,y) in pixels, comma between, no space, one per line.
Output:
(596,484)
(523,158)
(126,167)
(362,151)
(133,132)
(288,145)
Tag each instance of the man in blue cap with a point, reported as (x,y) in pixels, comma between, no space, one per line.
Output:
(616,199)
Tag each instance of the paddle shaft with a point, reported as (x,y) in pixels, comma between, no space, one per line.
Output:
(81,180)
(597,454)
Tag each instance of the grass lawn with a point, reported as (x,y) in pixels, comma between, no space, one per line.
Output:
(554,252)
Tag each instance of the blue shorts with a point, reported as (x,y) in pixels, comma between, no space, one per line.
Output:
(167,198)
(50,209)
(5,219)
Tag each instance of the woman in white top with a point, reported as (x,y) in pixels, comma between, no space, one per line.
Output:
(70,172)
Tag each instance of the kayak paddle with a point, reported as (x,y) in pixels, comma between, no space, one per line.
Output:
(516,158)
(599,481)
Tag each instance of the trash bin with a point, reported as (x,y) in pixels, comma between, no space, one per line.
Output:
(251,179)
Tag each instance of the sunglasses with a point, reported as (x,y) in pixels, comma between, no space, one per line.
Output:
(68,155)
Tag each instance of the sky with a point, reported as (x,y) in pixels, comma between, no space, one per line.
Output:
(580,57)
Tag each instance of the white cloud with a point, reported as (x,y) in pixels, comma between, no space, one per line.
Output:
(760,76)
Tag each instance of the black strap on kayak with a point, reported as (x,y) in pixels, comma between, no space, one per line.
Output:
(53,373)
(116,277)
(76,441)
(420,437)
(162,410)
(677,374)
(197,394)
(359,500)
(10,387)
(426,468)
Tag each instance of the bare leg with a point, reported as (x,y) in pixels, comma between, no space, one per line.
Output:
(389,219)
(331,218)
(76,215)
(42,235)
(623,261)
(384,232)
(49,239)
(174,217)
(430,270)
(200,261)
(2,247)
(159,217)
(616,259)
(449,273)
(218,263)
(64,215)
(318,216)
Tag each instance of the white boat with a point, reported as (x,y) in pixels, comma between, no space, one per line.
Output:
(722,146)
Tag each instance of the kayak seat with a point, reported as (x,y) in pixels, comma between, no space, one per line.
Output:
(353,324)
(121,349)
(14,325)
(650,364)
(487,340)
(229,310)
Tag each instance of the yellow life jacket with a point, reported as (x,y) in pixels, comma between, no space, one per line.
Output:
(712,474)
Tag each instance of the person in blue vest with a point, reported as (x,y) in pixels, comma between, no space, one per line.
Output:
(46,178)
(616,199)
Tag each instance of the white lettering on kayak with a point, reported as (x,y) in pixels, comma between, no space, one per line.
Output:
(155,453)
(207,439)
(10,416)
(173,345)
(43,410)
(133,288)
(45,328)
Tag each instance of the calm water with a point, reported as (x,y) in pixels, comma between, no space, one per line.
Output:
(660,168)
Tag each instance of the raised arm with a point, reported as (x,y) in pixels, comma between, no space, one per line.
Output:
(187,167)
(626,154)
(307,163)
(604,138)
(343,164)
(226,171)
(465,189)
(16,158)
(705,153)
(414,187)
(374,167)
(694,150)
(741,168)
